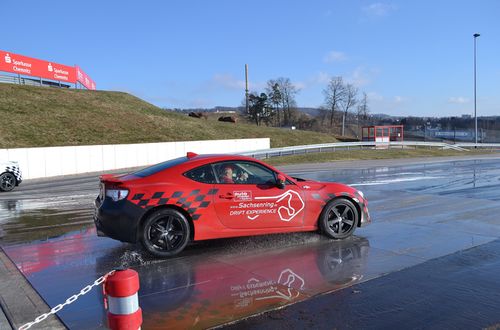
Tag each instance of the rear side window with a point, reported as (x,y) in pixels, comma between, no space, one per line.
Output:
(159,167)
(203,174)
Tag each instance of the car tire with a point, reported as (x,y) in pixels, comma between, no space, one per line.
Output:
(339,218)
(7,181)
(165,233)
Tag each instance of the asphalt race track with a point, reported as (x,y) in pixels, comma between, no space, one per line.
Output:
(430,259)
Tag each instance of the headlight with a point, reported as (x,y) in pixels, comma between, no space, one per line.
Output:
(116,194)
(361,194)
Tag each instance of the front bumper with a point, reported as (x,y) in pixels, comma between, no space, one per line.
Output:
(365,217)
(117,220)
(365,214)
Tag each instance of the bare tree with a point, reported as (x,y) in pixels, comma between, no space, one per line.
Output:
(362,110)
(334,94)
(275,98)
(288,92)
(350,100)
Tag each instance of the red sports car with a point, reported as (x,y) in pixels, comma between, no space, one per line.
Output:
(199,197)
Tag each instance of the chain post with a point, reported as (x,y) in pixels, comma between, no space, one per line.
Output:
(68,301)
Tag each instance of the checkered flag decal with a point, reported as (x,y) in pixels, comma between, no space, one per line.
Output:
(191,201)
(326,197)
(14,170)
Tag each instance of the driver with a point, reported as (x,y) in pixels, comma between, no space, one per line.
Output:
(226,176)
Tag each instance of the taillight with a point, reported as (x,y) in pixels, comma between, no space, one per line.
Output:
(117,194)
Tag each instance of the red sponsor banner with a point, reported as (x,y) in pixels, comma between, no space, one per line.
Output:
(29,66)
(84,78)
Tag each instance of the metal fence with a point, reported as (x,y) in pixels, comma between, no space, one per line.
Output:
(19,80)
(332,147)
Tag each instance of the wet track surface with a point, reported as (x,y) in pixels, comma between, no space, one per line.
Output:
(435,227)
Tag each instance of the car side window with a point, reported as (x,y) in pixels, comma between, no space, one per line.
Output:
(243,173)
(203,174)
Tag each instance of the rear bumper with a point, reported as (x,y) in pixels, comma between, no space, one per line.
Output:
(117,220)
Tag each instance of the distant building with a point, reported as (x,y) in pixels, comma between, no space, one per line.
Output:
(382,133)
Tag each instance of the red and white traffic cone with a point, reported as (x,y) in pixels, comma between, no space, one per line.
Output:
(121,290)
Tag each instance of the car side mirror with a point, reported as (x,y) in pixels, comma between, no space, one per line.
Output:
(280,183)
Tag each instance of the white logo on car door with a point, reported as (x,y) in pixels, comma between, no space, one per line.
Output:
(286,212)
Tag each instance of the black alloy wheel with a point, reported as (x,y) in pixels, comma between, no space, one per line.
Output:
(339,218)
(165,233)
(7,181)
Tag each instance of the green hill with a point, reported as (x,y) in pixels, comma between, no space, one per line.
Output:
(42,116)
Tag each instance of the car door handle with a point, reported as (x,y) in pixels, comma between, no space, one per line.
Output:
(226,196)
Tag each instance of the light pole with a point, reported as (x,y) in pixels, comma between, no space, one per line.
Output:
(475,107)
(246,89)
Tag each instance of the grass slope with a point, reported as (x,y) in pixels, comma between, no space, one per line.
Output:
(41,116)
(357,154)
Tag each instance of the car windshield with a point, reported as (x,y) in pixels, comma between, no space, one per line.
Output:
(159,167)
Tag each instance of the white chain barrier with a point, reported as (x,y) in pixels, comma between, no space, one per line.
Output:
(68,301)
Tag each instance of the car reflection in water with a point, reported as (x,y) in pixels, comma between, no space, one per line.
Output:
(199,290)
(210,291)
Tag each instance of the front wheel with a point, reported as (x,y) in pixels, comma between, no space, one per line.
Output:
(7,181)
(339,218)
(165,233)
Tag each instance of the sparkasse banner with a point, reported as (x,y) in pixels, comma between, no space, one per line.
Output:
(29,66)
(84,78)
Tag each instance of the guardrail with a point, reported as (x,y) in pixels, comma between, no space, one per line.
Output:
(479,145)
(329,147)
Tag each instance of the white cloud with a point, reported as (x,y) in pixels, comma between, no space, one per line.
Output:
(458,100)
(359,77)
(387,104)
(399,99)
(374,96)
(228,81)
(362,76)
(334,56)
(320,78)
(299,85)
(378,9)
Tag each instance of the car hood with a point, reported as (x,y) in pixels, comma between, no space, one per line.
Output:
(312,185)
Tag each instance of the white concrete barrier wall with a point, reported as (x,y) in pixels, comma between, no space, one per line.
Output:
(56,161)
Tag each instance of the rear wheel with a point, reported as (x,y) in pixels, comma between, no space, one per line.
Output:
(7,181)
(339,218)
(165,233)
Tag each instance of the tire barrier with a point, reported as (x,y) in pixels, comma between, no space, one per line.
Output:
(120,290)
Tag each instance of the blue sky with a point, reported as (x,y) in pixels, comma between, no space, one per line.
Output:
(410,57)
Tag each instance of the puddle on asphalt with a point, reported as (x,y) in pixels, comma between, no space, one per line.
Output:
(472,179)
(195,290)
(26,224)
(25,220)
(238,278)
